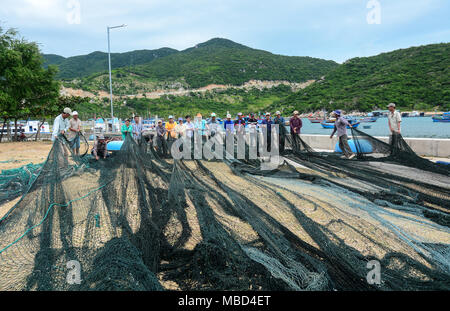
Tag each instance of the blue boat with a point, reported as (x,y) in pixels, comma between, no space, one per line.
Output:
(444,118)
(330,125)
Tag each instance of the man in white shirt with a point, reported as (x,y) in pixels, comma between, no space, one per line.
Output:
(394,121)
(61,123)
(74,129)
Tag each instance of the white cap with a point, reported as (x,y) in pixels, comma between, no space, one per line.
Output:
(68,110)
(267,113)
(240,114)
(391,105)
(277,112)
(74,113)
(228,116)
(170,117)
(213,114)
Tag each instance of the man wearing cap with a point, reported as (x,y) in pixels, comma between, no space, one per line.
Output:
(228,124)
(170,127)
(239,124)
(213,125)
(161,138)
(74,133)
(100,149)
(137,129)
(295,123)
(340,126)
(61,123)
(281,129)
(267,123)
(394,121)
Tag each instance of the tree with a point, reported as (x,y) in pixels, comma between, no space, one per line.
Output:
(26,88)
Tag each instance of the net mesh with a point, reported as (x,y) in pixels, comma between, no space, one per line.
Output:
(139,221)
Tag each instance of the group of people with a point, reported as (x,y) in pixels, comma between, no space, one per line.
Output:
(172,130)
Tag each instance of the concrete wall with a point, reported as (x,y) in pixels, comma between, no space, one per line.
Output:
(430,147)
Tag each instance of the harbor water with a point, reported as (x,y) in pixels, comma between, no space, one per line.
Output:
(414,127)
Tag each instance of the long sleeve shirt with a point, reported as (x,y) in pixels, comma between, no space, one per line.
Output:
(60,124)
(137,130)
(125,130)
(100,147)
(296,125)
(340,126)
(161,131)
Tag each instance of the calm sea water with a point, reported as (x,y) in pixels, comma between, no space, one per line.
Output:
(411,127)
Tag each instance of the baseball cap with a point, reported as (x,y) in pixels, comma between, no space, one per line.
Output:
(68,110)
(391,105)
(213,114)
(296,112)
(101,136)
(170,117)
(267,113)
(240,114)
(338,112)
(228,116)
(180,119)
(277,112)
(74,113)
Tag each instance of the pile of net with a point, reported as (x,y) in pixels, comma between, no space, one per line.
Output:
(137,221)
(15,182)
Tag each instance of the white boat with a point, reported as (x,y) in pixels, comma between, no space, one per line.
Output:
(28,127)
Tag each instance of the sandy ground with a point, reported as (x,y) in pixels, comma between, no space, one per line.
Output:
(17,154)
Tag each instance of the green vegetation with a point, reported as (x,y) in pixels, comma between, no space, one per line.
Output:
(217,61)
(220,102)
(26,88)
(97,62)
(417,78)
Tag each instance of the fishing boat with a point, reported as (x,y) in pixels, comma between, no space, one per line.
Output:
(444,118)
(330,125)
(369,119)
(315,120)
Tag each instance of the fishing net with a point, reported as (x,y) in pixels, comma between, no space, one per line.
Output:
(14,182)
(140,221)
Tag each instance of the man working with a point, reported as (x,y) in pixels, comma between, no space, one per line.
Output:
(295,123)
(180,128)
(213,125)
(137,129)
(170,127)
(281,129)
(239,124)
(74,130)
(127,129)
(267,123)
(394,121)
(161,142)
(340,126)
(61,123)
(100,149)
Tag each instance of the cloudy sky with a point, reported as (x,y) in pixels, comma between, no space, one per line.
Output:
(329,29)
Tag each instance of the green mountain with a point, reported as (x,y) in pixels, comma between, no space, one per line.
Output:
(416,78)
(221,61)
(217,61)
(85,65)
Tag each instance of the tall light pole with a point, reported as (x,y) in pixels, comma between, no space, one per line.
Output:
(110,76)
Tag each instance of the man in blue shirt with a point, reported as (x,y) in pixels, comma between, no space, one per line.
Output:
(239,124)
(228,124)
(267,123)
(281,129)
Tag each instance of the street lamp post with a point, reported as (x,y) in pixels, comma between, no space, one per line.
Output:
(110,75)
